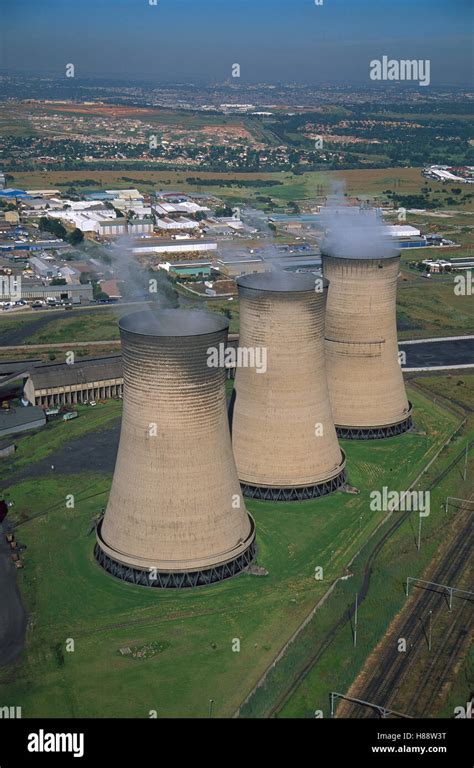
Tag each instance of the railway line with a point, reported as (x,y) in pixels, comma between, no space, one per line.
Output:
(397,667)
(348,614)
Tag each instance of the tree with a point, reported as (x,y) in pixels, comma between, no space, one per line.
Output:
(75,237)
(53,226)
(225,211)
(101,296)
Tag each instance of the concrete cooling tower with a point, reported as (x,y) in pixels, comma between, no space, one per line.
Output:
(284,440)
(364,375)
(175,516)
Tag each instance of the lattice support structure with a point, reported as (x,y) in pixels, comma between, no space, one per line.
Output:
(295,494)
(376,433)
(176,580)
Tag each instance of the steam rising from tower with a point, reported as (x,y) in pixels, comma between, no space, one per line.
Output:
(175,516)
(283,435)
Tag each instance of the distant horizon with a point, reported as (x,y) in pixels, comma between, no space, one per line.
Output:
(272,41)
(144,78)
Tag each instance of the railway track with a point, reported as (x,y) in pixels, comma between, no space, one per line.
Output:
(397,666)
(348,613)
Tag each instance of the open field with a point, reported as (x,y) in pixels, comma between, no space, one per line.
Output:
(57,355)
(359,182)
(61,327)
(56,433)
(431,308)
(68,596)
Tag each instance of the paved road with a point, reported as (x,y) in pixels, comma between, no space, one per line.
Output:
(12,612)
(93,452)
(456,351)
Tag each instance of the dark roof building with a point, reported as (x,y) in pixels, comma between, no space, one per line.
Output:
(62,384)
(21,420)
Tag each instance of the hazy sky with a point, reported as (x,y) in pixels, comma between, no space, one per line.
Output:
(272,40)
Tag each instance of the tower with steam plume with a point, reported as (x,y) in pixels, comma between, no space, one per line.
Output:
(284,440)
(175,516)
(365,379)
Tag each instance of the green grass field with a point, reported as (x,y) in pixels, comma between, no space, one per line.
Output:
(340,663)
(92,326)
(428,308)
(366,183)
(68,596)
(40,444)
(55,355)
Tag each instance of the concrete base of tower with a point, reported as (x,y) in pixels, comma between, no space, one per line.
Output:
(161,579)
(296,493)
(377,433)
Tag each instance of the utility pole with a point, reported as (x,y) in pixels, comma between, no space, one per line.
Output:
(429,631)
(465,464)
(211,702)
(355,621)
(419,534)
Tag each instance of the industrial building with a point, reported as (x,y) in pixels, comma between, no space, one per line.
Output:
(85,380)
(88,219)
(22,419)
(235,264)
(74,292)
(140,227)
(172,246)
(365,379)
(446,173)
(406,236)
(112,227)
(283,435)
(41,267)
(176,224)
(175,516)
(167,208)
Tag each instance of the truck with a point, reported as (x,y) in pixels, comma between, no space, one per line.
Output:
(70,415)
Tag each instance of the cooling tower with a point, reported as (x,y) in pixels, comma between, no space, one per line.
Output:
(175,516)
(364,375)
(284,440)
